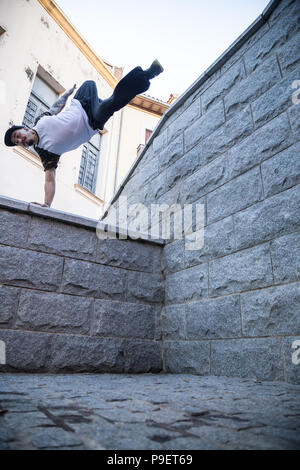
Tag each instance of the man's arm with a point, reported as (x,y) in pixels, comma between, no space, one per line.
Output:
(49,187)
(59,104)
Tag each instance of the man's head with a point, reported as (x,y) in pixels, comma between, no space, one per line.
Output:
(19,135)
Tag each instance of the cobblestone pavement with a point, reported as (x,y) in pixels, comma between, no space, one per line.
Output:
(147,411)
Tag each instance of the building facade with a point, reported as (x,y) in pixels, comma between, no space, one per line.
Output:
(41,56)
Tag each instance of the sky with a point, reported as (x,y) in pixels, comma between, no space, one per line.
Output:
(186,36)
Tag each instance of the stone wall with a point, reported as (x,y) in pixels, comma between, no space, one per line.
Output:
(72,302)
(231,142)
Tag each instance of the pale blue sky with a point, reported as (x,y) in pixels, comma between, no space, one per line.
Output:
(185,35)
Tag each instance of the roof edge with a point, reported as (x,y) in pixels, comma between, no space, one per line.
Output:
(69,29)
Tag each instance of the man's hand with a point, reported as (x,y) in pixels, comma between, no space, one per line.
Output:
(39,204)
(71,90)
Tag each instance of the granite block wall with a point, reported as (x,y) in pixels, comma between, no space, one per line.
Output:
(70,301)
(231,143)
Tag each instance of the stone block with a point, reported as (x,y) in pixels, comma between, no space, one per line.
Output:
(132,184)
(213,318)
(26,351)
(234,196)
(126,254)
(294,113)
(248,90)
(62,239)
(204,126)
(147,157)
(143,195)
(148,171)
(13,228)
(206,179)
(291,346)
(72,353)
(262,144)
(221,87)
(194,219)
(208,81)
(173,196)
(285,253)
(157,187)
(123,319)
(244,270)
(271,312)
(158,323)
(159,142)
(142,357)
(231,133)
(187,357)
(84,278)
(61,216)
(218,241)
(173,256)
(29,268)
(8,203)
(144,287)
(9,297)
(157,253)
(45,311)
(282,171)
(245,46)
(54,438)
(173,322)
(184,120)
(189,284)
(182,168)
(283,8)
(268,219)
(249,358)
(170,153)
(273,40)
(274,101)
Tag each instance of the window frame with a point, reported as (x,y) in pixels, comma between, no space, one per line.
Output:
(40,100)
(147,131)
(82,178)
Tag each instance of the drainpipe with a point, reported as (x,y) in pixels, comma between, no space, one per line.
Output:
(118,154)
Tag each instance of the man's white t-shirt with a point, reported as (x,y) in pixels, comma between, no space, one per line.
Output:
(65,131)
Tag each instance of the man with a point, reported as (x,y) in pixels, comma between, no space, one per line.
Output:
(56,132)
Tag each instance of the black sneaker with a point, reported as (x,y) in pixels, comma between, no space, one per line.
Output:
(155,69)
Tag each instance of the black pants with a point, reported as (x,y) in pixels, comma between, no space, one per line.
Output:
(99,111)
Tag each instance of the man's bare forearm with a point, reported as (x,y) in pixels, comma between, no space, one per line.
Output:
(59,104)
(49,187)
(49,193)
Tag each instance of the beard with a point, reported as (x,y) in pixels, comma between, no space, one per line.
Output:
(30,142)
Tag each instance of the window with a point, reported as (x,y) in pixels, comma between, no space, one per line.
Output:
(148,132)
(41,99)
(89,163)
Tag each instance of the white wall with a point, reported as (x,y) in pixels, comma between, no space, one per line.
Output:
(34,39)
(134,124)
